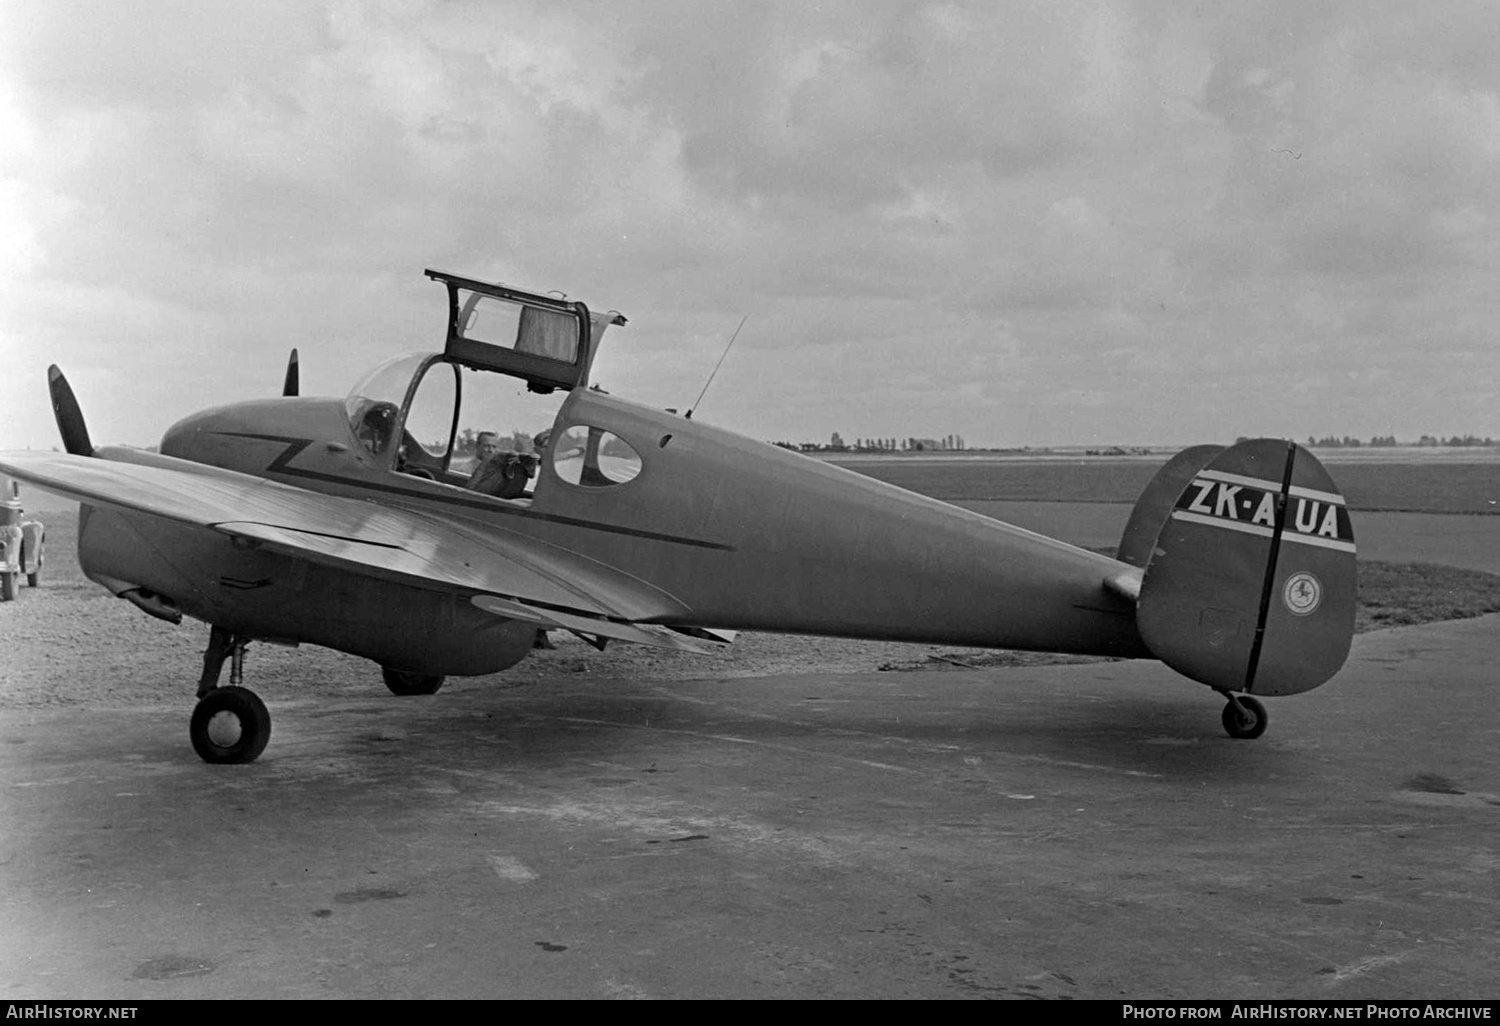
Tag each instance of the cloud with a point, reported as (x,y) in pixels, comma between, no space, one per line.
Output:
(940,217)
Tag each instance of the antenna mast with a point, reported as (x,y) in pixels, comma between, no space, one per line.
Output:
(710,381)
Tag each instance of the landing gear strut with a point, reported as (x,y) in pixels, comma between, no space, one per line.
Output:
(1244,717)
(229,724)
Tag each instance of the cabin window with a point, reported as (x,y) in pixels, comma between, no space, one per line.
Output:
(594,458)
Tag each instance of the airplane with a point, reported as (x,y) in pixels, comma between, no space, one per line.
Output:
(348,523)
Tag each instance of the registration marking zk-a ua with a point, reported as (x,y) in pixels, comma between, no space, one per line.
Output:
(1248,504)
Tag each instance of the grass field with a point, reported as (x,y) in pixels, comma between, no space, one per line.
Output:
(1409,487)
(1405,594)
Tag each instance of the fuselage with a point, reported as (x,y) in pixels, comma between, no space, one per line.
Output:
(744,534)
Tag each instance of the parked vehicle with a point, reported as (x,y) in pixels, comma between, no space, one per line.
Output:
(20,542)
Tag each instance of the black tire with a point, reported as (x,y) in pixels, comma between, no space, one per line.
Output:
(230,725)
(31,578)
(8,585)
(1246,725)
(403,683)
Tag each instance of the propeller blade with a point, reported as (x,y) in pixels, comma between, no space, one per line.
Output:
(293,381)
(75,434)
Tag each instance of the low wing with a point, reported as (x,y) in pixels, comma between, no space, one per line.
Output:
(552,585)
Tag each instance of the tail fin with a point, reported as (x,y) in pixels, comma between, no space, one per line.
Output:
(1250,584)
(1156,502)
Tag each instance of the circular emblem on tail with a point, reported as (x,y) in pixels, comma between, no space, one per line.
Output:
(1302,594)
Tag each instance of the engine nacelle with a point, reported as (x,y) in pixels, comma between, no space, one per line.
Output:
(254,591)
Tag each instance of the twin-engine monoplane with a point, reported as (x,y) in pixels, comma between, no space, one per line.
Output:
(356,524)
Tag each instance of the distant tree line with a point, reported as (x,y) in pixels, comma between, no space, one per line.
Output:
(1456,440)
(1389,441)
(948,443)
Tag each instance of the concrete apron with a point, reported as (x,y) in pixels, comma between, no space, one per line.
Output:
(1077,831)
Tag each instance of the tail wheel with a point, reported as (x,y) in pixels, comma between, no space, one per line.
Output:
(1245,718)
(230,725)
(402,683)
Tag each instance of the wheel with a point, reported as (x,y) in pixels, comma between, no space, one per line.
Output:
(8,585)
(402,683)
(230,725)
(31,578)
(1251,723)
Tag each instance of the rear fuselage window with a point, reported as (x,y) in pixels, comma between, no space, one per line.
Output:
(594,458)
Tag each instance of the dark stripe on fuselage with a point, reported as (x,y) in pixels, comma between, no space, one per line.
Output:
(281,465)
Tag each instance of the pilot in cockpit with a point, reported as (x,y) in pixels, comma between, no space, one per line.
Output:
(376,427)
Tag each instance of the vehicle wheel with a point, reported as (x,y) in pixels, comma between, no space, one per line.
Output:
(1251,723)
(230,725)
(8,585)
(402,683)
(32,577)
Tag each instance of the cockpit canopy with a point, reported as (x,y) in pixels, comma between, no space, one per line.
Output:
(506,352)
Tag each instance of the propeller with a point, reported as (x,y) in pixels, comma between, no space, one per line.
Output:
(292,382)
(75,434)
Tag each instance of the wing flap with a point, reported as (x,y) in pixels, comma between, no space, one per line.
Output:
(640,633)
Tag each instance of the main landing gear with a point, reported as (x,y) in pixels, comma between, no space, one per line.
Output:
(403,683)
(229,724)
(1244,717)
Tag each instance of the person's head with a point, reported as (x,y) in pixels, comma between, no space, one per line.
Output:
(486,444)
(378,426)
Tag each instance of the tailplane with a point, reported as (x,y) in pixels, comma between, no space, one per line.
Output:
(1156,502)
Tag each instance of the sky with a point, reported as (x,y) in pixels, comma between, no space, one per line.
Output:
(1061,222)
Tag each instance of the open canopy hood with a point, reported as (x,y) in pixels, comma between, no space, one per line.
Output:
(547,341)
